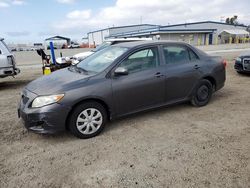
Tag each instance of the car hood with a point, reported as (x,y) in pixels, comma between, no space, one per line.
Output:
(245,54)
(59,81)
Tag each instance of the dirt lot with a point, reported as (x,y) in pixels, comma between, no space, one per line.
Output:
(180,146)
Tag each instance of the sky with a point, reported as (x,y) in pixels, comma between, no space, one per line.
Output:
(27,21)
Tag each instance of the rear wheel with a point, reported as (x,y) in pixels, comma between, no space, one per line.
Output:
(202,93)
(87,120)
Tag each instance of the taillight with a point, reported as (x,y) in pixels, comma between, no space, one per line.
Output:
(224,62)
(10,60)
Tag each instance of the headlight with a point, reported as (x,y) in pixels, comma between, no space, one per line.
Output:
(46,100)
(238,59)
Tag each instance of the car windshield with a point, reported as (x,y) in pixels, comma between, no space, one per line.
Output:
(100,60)
(5,45)
(102,46)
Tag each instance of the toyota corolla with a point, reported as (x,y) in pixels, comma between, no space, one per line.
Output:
(117,81)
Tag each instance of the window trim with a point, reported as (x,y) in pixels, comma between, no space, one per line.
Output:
(132,51)
(191,50)
(178,45)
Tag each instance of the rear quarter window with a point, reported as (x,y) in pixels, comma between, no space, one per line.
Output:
(193,56)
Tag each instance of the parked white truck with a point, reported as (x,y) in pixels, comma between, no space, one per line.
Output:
(7,61)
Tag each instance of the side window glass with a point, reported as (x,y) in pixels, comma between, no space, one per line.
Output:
(176,54)
(141,60)
(193,56)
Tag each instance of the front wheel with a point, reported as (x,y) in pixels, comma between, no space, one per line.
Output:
(202,93)
(87,120)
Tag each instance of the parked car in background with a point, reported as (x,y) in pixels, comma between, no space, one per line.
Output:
(37,46)
(7,61)
(74,45)
(119,80)
(242,63)
(80,56)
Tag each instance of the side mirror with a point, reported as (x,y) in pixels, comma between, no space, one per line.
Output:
(121,71)
(0,52)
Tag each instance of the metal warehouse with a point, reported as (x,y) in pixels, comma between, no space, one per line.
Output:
(97,37)
(197,33)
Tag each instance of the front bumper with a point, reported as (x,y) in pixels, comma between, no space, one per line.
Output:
(45,120)
(239,68)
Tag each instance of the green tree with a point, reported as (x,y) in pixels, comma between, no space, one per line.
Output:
(233,20)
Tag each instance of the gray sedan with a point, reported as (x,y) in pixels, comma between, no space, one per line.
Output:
(117,81)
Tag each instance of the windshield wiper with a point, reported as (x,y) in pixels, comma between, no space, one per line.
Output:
(80,70)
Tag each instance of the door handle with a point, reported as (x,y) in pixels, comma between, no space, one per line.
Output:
(158,75)
(196,66)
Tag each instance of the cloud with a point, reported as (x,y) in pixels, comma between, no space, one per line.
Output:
(8,3)
(3,4)
(18,33)
(66,1)
(18,2)
(162,12)
(84,14)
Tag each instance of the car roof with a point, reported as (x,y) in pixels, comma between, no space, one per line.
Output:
(159,42)
(128,39)
(146,43)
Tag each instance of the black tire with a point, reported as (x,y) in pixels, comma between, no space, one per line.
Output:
(72,123)
(202,93)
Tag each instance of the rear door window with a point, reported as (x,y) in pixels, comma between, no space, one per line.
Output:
(178,54)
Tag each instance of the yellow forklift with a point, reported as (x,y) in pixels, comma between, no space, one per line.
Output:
(49,66)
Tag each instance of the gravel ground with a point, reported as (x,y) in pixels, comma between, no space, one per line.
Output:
(179,146)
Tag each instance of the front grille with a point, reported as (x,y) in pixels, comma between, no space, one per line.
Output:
(246,64)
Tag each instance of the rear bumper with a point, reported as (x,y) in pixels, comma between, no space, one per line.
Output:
(9,71)
(17,71)
(219,86)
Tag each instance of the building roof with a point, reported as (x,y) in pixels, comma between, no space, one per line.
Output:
(124,27)
(159,31)
(203,22)
(170,29)
(58,38)
(235,32)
